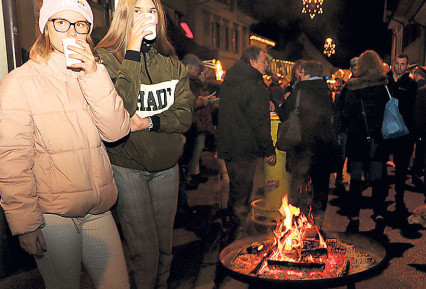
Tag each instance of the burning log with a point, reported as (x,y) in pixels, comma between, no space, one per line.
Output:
(259,265)
(314,252)
(301,265)
(345,269)
(238,254)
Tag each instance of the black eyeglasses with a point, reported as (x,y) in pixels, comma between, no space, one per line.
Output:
(63,25)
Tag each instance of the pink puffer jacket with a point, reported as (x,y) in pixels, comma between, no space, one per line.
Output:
(52,159)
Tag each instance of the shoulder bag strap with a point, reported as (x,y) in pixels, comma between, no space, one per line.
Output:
(387,89)
(296,107)
(365,119)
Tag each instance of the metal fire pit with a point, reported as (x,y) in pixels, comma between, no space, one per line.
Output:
(362,244)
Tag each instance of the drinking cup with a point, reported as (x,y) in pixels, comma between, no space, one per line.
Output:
(67,52)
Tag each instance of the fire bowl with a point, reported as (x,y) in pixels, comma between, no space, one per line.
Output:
(362,244)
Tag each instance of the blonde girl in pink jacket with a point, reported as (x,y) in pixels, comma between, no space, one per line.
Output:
(56,181)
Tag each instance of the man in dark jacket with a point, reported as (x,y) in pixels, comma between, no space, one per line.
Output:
(402,87)
(244,130)
(419,163)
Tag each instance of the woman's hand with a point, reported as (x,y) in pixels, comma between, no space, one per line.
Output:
(138,32)
(88,63)
(286,95)
(271,160)
(138,123)
(271,106)
(33,243)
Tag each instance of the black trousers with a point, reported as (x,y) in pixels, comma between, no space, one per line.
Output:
(401,148)
(419,163)
(303,171)
(241,175)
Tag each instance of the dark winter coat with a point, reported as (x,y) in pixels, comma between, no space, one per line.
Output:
(337,116)
(374,96)
(244,128)
(404,89)
(167,99)
(419,113)
(319,142)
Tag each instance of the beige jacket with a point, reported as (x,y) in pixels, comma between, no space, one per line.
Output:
(52,159)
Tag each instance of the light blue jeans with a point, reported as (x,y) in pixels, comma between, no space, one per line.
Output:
(93,240)
(146,208)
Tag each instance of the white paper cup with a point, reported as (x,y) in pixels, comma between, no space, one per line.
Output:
(152,28)
(67,52)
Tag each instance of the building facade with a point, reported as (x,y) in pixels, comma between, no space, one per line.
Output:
(216,24)
(407,20)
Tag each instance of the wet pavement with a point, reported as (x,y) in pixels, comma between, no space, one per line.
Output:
(198,238)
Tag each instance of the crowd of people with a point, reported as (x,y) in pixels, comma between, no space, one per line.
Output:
(127,123)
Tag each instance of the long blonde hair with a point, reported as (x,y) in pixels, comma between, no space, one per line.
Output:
(42,47)
(118,35)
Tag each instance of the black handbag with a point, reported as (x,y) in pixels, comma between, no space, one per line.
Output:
(289,132)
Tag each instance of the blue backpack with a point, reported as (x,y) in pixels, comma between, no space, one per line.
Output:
(393,124)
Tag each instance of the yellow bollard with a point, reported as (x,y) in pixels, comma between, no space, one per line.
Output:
(277,184)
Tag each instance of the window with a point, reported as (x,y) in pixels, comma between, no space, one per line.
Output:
(217,28)
(236,39)
(227,38)
(410,34)
(245,37)
(226,34)
(212,34)
(206,23)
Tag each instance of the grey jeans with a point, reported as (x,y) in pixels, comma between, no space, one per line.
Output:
(92,240)
(146,209)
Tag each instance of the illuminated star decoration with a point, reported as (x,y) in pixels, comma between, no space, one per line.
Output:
(329,47)
(312,7)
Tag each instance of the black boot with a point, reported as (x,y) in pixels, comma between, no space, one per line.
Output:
(354,205)
(353,225)
(417,181)
(379,193)
(400,208)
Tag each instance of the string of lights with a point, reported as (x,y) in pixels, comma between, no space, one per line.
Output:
(329,47)
(312,7)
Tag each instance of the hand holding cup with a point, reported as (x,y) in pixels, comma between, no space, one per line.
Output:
(78,55)
(144,27)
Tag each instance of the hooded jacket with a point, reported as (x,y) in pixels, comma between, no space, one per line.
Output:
(371,89)
(244,130)
(52,159)
(159,89)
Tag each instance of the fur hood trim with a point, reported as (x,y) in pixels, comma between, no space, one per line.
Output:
(365,81)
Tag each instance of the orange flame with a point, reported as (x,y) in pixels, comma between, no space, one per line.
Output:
(291,232)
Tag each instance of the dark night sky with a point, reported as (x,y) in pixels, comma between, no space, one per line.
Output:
(355,25)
